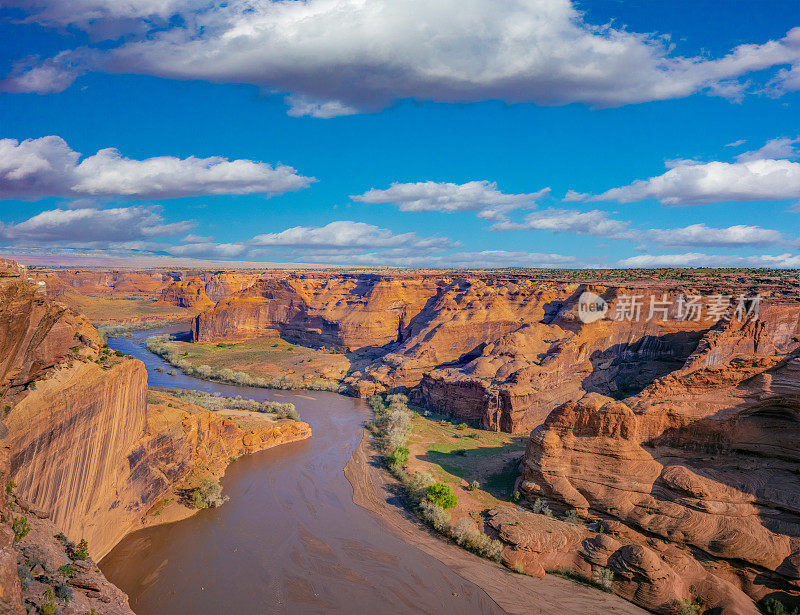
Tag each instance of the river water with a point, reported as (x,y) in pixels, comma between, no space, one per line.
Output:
(290,539)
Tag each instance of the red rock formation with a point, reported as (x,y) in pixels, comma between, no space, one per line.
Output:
(705,456)
(348,311)
(78,437)
(504,351)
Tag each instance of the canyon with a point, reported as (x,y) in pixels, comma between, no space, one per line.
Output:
(672,438)
(83,450)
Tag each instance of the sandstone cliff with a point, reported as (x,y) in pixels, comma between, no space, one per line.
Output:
(85,449)
(704,457)
(500,350)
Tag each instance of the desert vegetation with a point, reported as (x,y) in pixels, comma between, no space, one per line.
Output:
(216,402)
(293,367)
(208,494)
(429,499)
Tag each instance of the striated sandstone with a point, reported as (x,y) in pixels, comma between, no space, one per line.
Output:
(88,455)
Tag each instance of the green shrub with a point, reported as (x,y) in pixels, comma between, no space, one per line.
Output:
(772,606)
(571,516)
(540,507)
(515,496)
(688,607)
(468,536)
(474,486)
(399,456)
(25,576)
(81,552)
(63,592)
(418,485)
(49,607)
(208,494)
(10,486)
(20,527)
(442,495)
(67,570)
(119,353)
(462,426)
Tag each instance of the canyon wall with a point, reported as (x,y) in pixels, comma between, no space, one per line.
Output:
(705,457)
(496,349)
(86,452)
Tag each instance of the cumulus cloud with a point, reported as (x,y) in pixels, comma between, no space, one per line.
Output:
(333,242)
(702,235)
(36,168)
(755,176)
(698,259)
(593,222)
(782,147)
(47,76)
(85,227)
(347,234)
(598,223)
(481,197)
(336,57)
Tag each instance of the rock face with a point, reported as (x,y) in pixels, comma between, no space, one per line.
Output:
(79,438)
(205,289)
(500,350)
(705,456)
(348,311)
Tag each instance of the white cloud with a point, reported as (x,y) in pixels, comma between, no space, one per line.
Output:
(697,259)
(346,234)
(752,178)
(482,197)
(50,76)
(593,222)
(782,147)
(335,242)
(482,259)
(92,226)
(334,57)
(736,143)
(35,168)
(702,235)
(192,238)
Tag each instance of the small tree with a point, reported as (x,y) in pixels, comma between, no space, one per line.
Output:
(81,552)
(442,495)
(208,494)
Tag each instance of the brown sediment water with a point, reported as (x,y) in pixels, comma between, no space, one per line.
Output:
(290,539)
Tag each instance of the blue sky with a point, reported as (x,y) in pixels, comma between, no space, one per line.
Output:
(441,134)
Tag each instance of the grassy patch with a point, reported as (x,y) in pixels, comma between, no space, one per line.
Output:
(265,362)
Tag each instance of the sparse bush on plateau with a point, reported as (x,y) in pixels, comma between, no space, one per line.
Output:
(160,345)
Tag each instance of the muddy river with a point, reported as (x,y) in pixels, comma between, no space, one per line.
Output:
(290,539)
